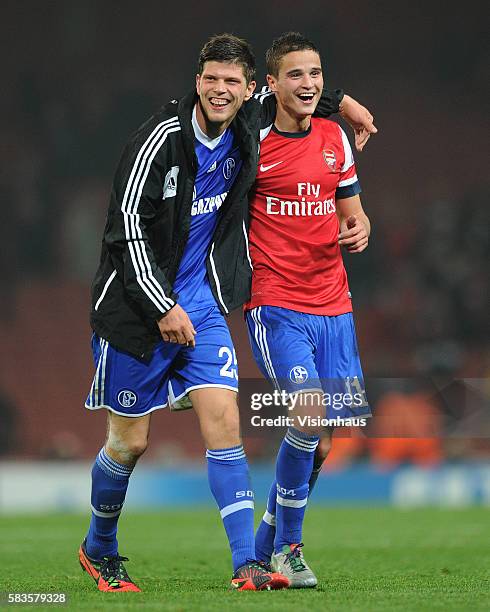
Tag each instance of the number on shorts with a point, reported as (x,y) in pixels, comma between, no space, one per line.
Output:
(228,370)
(353,387)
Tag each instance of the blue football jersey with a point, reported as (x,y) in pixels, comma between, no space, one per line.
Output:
(218,165)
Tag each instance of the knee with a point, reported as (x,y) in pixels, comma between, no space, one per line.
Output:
(227,420)
(309,429)
(307,412)
(217,410)
(137,447)
(126,449)
(222,428)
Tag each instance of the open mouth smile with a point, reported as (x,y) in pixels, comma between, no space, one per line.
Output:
(218,103)
(306,98)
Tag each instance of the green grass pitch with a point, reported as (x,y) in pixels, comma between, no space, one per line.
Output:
(366,559)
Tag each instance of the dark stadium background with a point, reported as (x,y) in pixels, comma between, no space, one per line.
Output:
(79,77)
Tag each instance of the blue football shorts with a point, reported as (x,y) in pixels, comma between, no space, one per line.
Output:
(131,387)
(301,352)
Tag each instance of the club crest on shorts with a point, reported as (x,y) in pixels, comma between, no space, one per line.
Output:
(298,374)
(127,398)
(228,168)
(330,159)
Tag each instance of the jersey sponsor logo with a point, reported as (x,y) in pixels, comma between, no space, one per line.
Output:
(298,374)
(170,183)
(299,208)
(204,206)
(212,167)
(308,189)
(330,158)
(127,398)
(269,167)
(228,168)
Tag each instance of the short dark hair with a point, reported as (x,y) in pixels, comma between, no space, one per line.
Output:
(229,49)
(284,44)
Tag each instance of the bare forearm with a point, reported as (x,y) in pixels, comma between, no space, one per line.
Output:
(359,118)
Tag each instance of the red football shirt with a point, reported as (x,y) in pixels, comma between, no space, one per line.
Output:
(294,228)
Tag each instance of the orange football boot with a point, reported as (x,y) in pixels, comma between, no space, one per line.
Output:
(109,573)
(257,576)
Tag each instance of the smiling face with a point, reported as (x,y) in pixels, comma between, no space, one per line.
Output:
(298,85)
(222,89)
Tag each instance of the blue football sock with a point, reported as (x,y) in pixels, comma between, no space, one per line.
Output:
(266,532)
(109,485)
(229,481)
(293,471)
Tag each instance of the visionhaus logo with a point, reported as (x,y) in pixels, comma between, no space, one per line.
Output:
(283,420)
